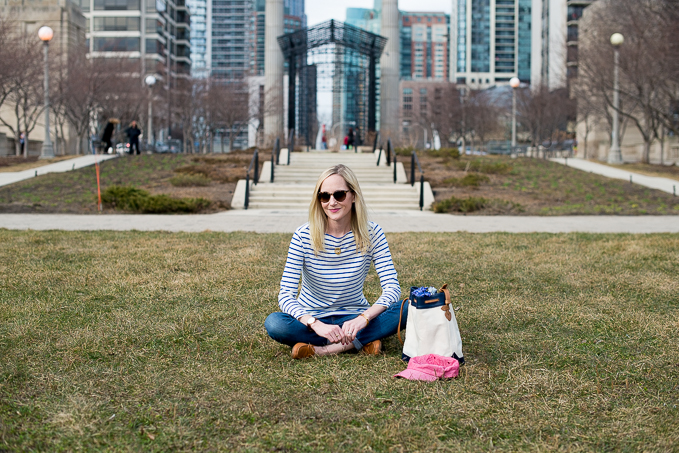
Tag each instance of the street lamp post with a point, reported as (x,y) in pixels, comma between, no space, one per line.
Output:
(614,155)
(514,82)
(46,34)
(150,81)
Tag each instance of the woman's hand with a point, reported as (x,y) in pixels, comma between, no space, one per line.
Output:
(353,326)
(333,333)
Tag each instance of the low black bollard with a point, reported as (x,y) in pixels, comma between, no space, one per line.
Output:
(247,191)
(421,191)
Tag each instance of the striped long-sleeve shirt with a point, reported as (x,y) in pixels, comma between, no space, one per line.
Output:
(332,284)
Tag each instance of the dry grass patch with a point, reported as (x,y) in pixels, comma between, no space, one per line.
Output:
(155,341)
(538,187)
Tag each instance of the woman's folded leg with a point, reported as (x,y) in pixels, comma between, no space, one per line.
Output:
(287,330)
(384,325)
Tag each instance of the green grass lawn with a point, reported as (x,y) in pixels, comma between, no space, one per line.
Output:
(526,186)
(76,191)
(155,341)
(508,186)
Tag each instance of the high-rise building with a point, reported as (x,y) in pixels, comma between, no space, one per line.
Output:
(155,32)
(490,41)
(294,19)
(366,19)
(295,8)
(424,46)
(201,28)
(237,36)
(230,38)
(555,41)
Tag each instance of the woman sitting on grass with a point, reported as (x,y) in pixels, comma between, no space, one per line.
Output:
(333,253)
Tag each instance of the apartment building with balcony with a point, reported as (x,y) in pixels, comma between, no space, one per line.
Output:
(490,42)
(424,46)
(156,33)
(230,39)
(555,41)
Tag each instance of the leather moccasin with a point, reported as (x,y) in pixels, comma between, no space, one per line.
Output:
(372,348)
(303,351)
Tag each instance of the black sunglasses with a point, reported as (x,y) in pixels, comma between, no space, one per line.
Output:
(339,195)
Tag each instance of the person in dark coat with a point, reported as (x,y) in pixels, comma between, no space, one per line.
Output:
(107,136)
(350,136)
(133,133)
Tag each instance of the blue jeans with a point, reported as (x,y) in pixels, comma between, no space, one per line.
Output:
(288,330)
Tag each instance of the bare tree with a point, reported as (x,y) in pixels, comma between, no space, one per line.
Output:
(191,97)
(481,115)
(230,112)
(9,51)
(649,88)
(122,93)
(446,113)
(544,113)
(24,89)
(89,87)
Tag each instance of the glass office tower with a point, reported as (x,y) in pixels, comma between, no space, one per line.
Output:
(201,27)
(491,42)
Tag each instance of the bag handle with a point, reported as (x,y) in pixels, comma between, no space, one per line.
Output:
(446,307)
(445,290)
(400,317)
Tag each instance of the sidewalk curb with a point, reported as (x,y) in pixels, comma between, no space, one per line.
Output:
(261,221)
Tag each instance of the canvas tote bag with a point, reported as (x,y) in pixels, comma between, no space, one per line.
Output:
(431,327)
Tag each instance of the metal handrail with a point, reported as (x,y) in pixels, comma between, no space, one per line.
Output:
(255,162)
(273,162)
(291,143)
(377,139)
(277,148)
(379,156)
(414,160)
(388,152)
(391,157)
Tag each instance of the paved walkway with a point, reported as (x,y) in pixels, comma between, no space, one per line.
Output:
(654,182)
(57,167)
(263,221)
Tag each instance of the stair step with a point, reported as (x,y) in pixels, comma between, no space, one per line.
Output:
(294,183)
(305,206)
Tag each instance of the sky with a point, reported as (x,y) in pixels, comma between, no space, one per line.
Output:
(318,11)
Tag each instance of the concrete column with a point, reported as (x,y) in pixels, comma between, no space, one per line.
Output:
(273,72)
(390,68)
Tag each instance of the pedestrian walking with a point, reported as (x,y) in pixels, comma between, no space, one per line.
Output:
(107,136)
(133,133)
(351,138)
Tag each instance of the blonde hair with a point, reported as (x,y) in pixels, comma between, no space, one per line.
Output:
(318,220)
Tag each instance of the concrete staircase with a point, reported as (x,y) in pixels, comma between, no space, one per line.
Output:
(293,185)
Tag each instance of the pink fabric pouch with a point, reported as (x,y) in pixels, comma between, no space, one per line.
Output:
(430,367)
